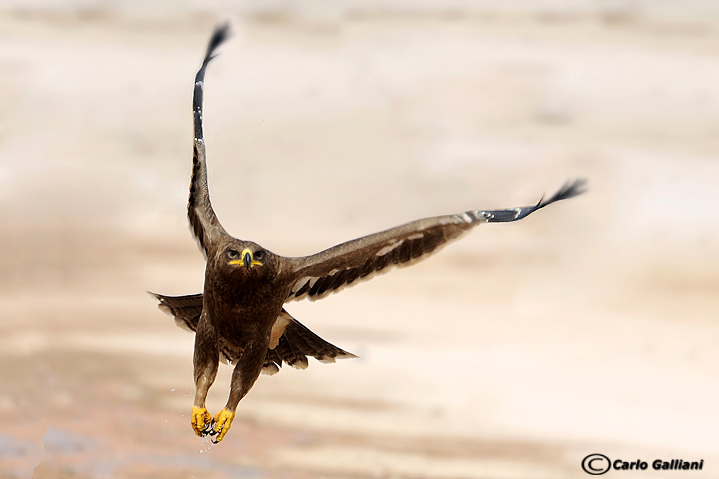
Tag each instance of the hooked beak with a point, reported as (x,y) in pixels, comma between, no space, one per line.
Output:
(247,260)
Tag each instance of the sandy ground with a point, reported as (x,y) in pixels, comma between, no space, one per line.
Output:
(590,327)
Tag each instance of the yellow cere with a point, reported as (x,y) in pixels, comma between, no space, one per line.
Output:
(244,252)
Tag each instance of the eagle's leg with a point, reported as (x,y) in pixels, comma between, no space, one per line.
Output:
(206,360)
(244,375)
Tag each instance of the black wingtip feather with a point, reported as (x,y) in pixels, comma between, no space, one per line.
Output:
(221,33)
(219,36)
(569,190)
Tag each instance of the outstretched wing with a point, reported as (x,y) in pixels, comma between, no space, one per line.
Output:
(203,222)
(349,263)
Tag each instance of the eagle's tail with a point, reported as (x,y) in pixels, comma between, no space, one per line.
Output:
(296,344)
(185,309)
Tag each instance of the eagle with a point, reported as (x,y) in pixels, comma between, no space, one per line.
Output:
(240,316)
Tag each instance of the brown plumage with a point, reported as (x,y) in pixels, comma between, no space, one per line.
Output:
(240,316)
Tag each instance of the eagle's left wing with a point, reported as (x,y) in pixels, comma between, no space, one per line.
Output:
(358,260)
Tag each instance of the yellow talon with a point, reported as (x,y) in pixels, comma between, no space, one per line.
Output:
(200,419)
(223,421)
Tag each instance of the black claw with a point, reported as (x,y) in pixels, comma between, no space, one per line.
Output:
(210,430)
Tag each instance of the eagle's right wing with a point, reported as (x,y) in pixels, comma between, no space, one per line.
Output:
(203,222)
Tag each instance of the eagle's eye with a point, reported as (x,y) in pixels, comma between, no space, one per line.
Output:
(259,254)
(233,254)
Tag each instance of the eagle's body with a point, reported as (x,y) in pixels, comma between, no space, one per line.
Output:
(240,316)
(253,299)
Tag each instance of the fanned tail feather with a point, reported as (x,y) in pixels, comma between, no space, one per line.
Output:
(185,309)
(296,344)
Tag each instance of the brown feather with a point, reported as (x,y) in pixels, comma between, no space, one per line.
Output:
(294,338)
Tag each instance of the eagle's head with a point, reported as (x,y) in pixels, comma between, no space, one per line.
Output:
(243,261)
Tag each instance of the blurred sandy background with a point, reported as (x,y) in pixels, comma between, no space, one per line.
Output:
(588,327)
